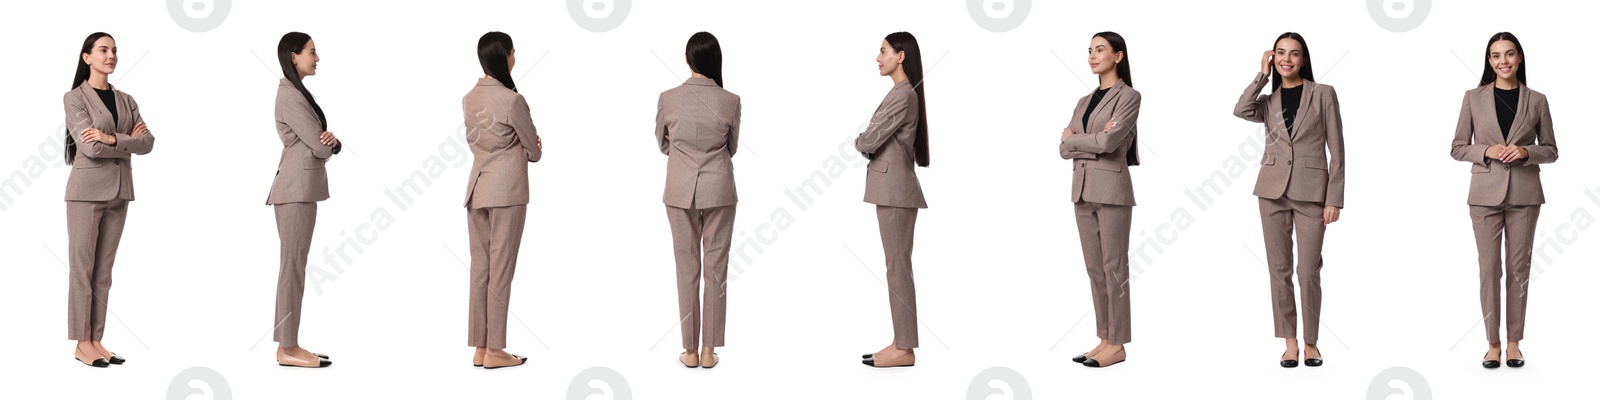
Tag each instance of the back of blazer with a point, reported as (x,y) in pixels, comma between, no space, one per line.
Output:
(1494,182)
(891,175)
(1101,175)
(301,176)
(503,139)
(697,127)
(1306,164)
(102,172)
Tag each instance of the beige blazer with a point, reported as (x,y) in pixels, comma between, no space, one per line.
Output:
(1101,173)
(1494,182)
(503,139)
(102,172)
(697,127)
(1298,166)
(301,176)
(889,140)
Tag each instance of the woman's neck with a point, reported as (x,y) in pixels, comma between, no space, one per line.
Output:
(1506,84)
(1292,81)
(99,81)
(1108,79)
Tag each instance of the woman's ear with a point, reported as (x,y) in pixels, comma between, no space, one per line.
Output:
(1119,56)
(902,56)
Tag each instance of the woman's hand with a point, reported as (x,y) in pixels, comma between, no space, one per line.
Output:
(1266,63)
(1330,214)
(1110,124)
(140,130)
(1495,151)
(328,139)
(1513,153)
(94,135)
(1067,132)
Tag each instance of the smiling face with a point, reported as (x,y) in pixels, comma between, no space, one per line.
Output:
(1102,58)
(1288,56)
(888,59)
(305,60)
(102,57)
(1505,59)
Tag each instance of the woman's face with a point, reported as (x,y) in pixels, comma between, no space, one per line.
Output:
(1288,56)
(1505,59)
(1102,58)
(102,56)
(888,59)
(511,59)
(305,60)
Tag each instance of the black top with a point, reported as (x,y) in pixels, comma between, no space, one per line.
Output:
(109,97)
(1505,109)
(1093,102)
(1291,105)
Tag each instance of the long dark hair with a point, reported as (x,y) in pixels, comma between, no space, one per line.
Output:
(705,56)
(905,43)
(295,42)
(78,78)
(1125,73)
(493,50)
(1488,70)
(1305,53)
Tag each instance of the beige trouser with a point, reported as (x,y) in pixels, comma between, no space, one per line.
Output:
(1103,230)
(1516,223)
(94,229)
(495,234)
(692,230)
(1289,225)
(897,228)
(296,221)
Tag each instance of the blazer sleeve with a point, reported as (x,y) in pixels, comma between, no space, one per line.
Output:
(1544,151)
(661,124)
(1334,122)
(885,124)
(78,120)
(1462,148)
(1069,154)
(733,127)
(522,124)
(1252,105)
(302,120)
(1126,116)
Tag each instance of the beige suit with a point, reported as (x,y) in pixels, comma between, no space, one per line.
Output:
(1102,197)
(892,185)
(300,182)
(1302,171)
(697,128)
(503,139)
(98,191)
(1504,198)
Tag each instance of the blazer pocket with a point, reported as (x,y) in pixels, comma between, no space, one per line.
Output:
(85,164)
(1268,160)
(1480,169)
(1313,163)
(879,165)
(1108,166)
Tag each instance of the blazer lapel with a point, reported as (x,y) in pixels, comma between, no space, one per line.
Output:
(1105,103)
(1484,109)
(1077,115)
(1521,115)
(1308,92)
(124,120)
(1275,107)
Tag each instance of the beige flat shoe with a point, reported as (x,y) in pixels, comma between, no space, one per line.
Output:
(493,362)
(709,360)
(689,360)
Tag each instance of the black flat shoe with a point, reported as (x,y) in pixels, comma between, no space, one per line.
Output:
(1313,362)
(118,360)
(98,362)
(324,356)
(867,361)
(1515,363)
(1081,358)
(1093,363)
(1491,364)
(866,356)
(1289,363)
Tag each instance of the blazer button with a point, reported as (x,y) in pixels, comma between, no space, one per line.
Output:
(116,162)
(1291,162)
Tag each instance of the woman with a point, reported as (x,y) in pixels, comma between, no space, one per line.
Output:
(1505,132)
(1302,119)
(1102,191)
(503,139)
(697,127)
(896,139)
(104,131)
(301,182)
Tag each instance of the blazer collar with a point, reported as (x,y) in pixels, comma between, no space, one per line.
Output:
(1522,116)
(1115,90)
(490,82)
(1308,92)
(1487,110)
(95,105)
(698,81)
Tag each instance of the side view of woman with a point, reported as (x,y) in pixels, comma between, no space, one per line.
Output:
(1102,191)
(697,128)
(503,139)
(301,182)
(104,132)
(897,142)
(1300,186)
(1505,131)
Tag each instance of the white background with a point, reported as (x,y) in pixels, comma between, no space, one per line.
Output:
(998,267)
